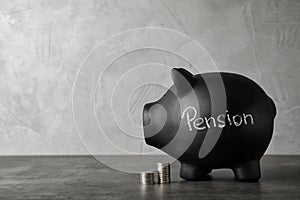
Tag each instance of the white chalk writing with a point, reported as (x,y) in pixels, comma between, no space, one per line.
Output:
(219,121)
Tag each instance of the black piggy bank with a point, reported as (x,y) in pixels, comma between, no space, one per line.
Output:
(212,121)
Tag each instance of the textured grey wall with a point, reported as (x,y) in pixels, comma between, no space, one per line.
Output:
(42,44)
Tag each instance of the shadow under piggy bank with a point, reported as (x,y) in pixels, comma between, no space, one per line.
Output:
(209,126)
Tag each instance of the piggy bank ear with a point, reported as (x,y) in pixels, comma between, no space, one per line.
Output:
(183,80)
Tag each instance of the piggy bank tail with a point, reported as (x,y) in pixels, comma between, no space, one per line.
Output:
(273,107)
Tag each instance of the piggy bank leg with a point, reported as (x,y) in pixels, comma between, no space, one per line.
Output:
(247,171)
(193,172)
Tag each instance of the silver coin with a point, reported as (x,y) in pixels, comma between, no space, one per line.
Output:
(163,173)
(147,178)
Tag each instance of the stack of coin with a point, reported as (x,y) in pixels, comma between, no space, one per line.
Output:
(164,173)
(147,178)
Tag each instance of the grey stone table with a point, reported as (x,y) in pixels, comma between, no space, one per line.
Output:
(83,177)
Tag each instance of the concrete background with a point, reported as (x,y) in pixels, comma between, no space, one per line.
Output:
(43,43)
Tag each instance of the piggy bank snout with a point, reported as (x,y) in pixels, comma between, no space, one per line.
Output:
(146,114)
(154,119)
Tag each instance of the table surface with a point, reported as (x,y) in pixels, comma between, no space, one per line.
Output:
(84,177)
